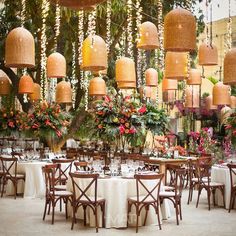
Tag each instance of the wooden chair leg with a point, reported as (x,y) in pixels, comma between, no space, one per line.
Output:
(214,196)
(49,207)
(15,186)
(73,218)
(103,215)
(45,209)
(209,199)
(85,218)
(66,202)
(158,217)
(180,210)
(128,211)
(231,201)
(198,197)
(53,212)
(96,219)
(190,194)
(145,219)
(177,213)
(137,217)
(3,184)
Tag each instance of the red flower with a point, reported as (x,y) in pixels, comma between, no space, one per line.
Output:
(122,129)
(47,122)
(142,110)
(35,126)
(132,130)
(100,126)
(107,98)
(234,133)
(11,124)
(122,121)
(228,126)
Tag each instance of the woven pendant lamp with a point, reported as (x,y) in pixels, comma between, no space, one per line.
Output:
(98,73)
(126,85)
(97,87)
(208,55)
(230,67)
(94,54)
(56,66)
(176,65)
(20,49)
(125,70)
(169,84)
(180,31)
(221,94)
(168,96)
(79,5)
(151,76)
(224,114)
(233,102)
(148,36)
(5,86)
(63,92)
(26,85)
(194,77)
(36,95)
(192,99)
(209,103)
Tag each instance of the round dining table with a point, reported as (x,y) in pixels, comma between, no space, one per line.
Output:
(116,190)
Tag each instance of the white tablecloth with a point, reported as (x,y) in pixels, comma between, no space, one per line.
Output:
(34,185)
(116,191)
(222,175)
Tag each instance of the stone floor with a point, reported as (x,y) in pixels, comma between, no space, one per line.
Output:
(23,217)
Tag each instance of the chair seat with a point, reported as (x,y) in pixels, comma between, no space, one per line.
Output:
(62,193)
(196,179)
(167,194)
(60,187)
(134,199)
(169,188)
(215,184)
(18,176)
(85,200)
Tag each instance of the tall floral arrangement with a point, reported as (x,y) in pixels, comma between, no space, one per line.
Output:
(230,127)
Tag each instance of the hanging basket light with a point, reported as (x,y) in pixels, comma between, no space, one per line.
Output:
(168,96)
(233,102)
(26,85)
(209,103)
(20,49)
(148,36)
(36,95)
(176,65)
(151,76)
(126,85)
(78,5)
(94,54)
(194,77)
(5,85)
(221,94)
(230,67)
(179,31)
(224,114)
(145,91)
(169,84)
(208,55)
(192,99)
(97,87)
(125,70)
(63,92)
(56,66)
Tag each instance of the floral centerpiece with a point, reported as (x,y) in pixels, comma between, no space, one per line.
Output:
(48,122)
(11,121)
(230,127)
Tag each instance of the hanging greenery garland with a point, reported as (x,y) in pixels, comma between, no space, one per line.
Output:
(130,29)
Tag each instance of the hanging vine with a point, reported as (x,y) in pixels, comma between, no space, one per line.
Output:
(129,29)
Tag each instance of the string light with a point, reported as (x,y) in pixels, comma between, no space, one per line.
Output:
(80,35)
(92,22)
(228,39)
(57,24)
(108,26)
(43,76)
(139,53)
(73,74)
(160,35)
(129,29)
(87,75)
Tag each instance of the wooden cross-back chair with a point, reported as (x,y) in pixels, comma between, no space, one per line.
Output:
(232,172)
(148,197)
(9,172)
(87,197)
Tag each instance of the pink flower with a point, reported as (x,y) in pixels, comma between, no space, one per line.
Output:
(107,98)
(11,124)
(132,130)
(142,110)
(127,98)
(228,126)
(58,132)
(122,129)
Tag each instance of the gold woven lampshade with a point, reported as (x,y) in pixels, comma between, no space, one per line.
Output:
(176,65)
(194,77)
(221,94)
(169,84)
(145,91)
(97,87)
(168,96)
(26,85)
(56,66)
(230,67)
(125,70)
(94,54)
(126,85)
(151,76)
(208,55)
(179,31)
(78,5)
(224,114)
(192,99)
(5,85)
(20,49)
(148,36)
(209,103)
(36,95)
(233,102)
(63,92)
